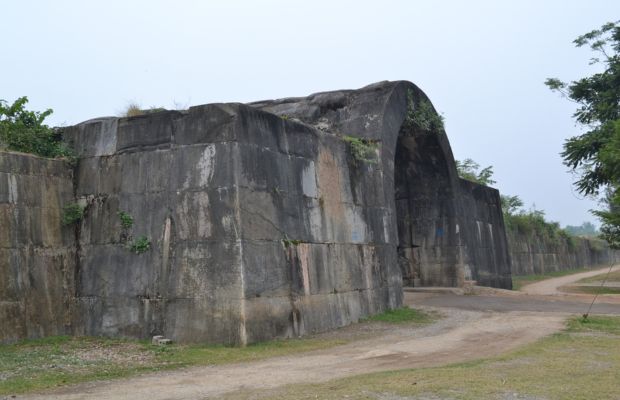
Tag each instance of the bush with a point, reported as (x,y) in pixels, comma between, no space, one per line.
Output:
(140,245)
(133,109)
(126,219)
(422,116)
(533,223)
(363,150)
(24,131)
(72,213)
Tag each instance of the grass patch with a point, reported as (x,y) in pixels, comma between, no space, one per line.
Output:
(594,324)
(518,281)
(57,361)
(613,277)
(402,315)
(591,289)
(190,355)
(582,362)
(63,360)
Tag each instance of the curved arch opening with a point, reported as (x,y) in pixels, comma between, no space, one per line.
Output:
(428,250)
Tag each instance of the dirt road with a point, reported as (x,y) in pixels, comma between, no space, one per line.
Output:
(473,327)
(460,336)
(551,287)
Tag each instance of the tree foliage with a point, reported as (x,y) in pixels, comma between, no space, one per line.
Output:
(25,131)
(595,155)
(470,170)
(585,229)
(510,204)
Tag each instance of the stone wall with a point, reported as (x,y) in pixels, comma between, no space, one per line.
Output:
(436,214)
(487,259)
(37,254)
(261,221)
(534,255)
(260,227)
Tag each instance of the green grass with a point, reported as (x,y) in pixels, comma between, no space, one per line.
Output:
(57,361)
(402,315)
(62,360)
(582,362)
(182,356)
(518,281)
(613,277)
(592,289)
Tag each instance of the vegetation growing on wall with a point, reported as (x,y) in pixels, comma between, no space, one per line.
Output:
(126,219)
(470,170)
(530,222)
(72,213)
(422,116)
(363,150)
(134,109)
(595,155)
(140,245)
(25,131)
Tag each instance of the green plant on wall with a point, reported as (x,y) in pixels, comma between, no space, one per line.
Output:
(126,219)
(363,150)
(140,245)
(72,213)
(422,116)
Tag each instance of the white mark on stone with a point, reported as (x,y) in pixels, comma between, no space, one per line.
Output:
(458,229)
(194,219)
(302,251)
(205,165)
(386,231)
(166,243)
(228,223)
(308,181)
(12,189)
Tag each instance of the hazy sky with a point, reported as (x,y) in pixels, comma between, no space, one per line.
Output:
(482,63)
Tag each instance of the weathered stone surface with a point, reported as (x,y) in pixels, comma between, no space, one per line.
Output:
(37,254)
(261,222)
(534,255)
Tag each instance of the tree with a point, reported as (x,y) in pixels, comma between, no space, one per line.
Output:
(470,170)
(595,155)
(585,229)
(25,131)
(510,204)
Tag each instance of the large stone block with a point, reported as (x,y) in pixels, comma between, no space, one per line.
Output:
(146,131)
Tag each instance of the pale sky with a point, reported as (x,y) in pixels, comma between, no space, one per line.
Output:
(482,63)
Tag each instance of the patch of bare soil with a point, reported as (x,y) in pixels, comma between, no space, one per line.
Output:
(460,335)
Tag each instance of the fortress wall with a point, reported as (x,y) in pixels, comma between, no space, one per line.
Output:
(261,222)
(315,228)
(37,253)
(534,255)
(435,216)
(486,258)
(176,178)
